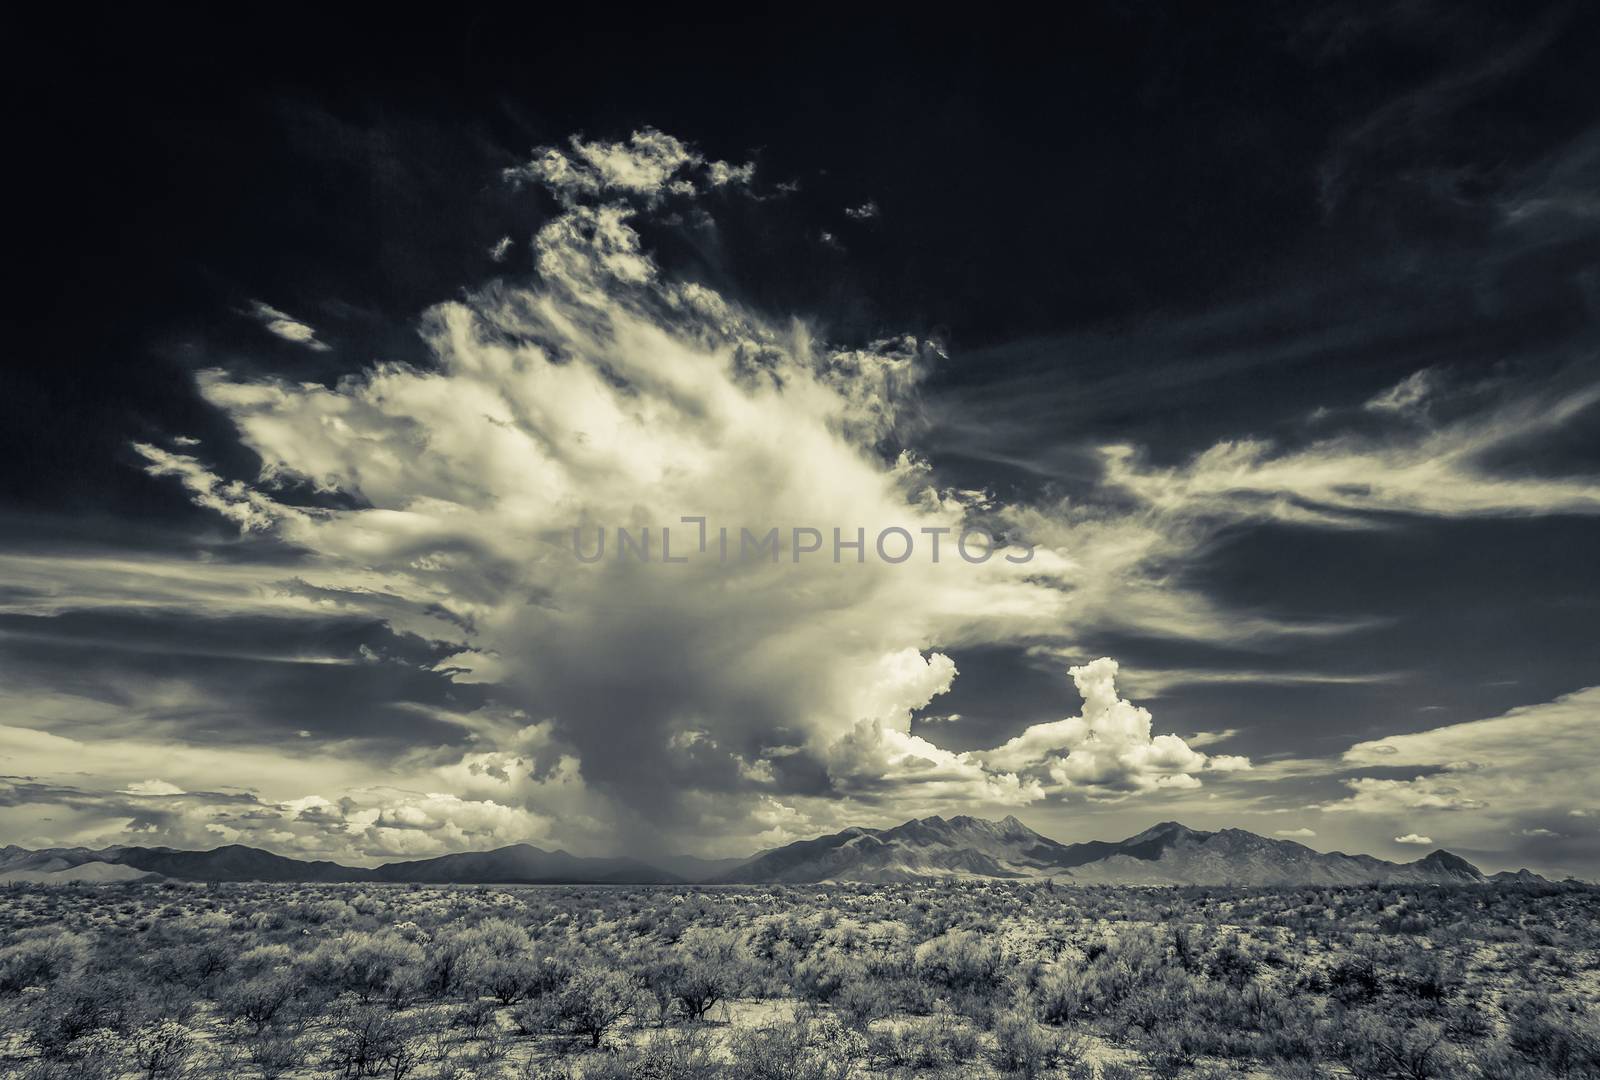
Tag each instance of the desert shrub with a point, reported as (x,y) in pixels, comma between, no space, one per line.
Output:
(484,1058)
(1466,1022)
(591,1002)
(1159,1001)
(82,1005)
(276,1053)
(508,979)
(1354,980)
(1230,964)
(97,1057)
(1553,1035)
(191,964)
(475,1017)
(365,1039)
(161,1049)
(861,1001)
(704,967)
(1294,1035)
(1501,1062)
(670,1055)
(1022,1046)
(801,1049)
(1060,996)
(1428,978)
(1121,966)
(1300,1069)
(922,1044)
(261,999)
(821,976)
(961,961)
(1377,1045)
(1171,1049)
(497,958)
(261,959)
(40,961)
(382,966)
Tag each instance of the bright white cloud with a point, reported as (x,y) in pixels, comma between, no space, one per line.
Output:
(1413,838)
(1107,750)
(286,327)
(153,787)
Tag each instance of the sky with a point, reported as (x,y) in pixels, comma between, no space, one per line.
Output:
(1256,359)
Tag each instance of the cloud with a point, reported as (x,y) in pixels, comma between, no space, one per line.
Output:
(286,327)
(865,212)
(500,249)
(1413,838)
(625,703)
(1350,479)
(721,174)
(1298,834)
(234,500)
(601,394)
(1511,775)
(1408,395)
(153,787)
(649,167)
(1108,750)
(1147,681)
(1533,758)
(362,827)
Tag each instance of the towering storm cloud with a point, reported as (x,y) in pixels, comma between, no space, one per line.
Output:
(523,502)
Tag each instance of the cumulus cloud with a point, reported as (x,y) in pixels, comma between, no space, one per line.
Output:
(648,166)
(865,212)
(1106,751)
(1295,834)
(286,326)
(1413,838)
(721,174)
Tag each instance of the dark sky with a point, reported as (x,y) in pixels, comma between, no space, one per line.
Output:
(1154,225)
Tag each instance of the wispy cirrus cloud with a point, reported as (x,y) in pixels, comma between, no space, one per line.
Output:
(285,326)
(1352,479)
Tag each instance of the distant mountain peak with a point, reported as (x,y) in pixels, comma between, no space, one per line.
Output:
(1448,861)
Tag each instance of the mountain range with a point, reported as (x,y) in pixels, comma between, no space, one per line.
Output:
(1167,854)
(928,848)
